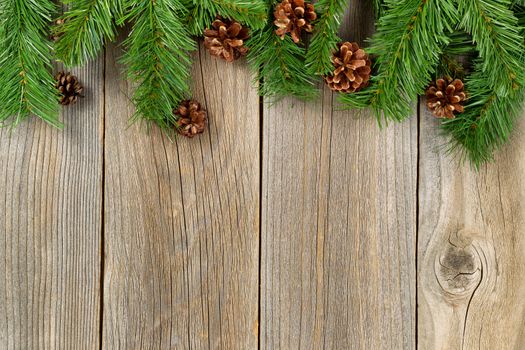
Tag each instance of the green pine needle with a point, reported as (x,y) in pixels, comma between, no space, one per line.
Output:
(279,65)
(493,104)
(203,12)
(87,26)
(325,39)
(407,47)
(158,59)
(26,83)
(487,122)
(379,6)
(498,38)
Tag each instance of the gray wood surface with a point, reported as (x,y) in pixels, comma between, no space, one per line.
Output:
(471,247)
(182,220)
(338,224)
(50,227)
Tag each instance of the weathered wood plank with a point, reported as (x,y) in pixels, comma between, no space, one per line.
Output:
(182,220)
(471,292)
(338,224)
(50,227)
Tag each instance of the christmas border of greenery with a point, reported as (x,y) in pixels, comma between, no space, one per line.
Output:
(158,57)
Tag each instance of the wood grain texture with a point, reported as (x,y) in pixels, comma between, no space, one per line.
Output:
(471,247)
(182,220)
(50,227)
(338,224)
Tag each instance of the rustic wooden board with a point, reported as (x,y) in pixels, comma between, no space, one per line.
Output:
(50,227)
(338,224)
(471,293)
(182,220)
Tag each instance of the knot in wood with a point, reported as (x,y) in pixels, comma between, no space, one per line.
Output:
(458,270)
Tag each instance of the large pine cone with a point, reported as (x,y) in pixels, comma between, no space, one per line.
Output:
(69,87)
(445,97)
(352,69)
(226,39)
(293,16)
(191,118)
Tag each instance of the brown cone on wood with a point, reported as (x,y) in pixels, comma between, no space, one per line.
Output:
(352,69)
(226,39)
(191,118)
(294,16)
(69,87)
(445,97)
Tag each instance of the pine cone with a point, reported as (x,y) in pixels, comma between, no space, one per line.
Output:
(293,16)
(445,96)
(226,39)
(191,118)
(352,69)
(69,88)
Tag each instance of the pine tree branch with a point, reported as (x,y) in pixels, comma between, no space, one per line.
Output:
(408,46)
(518,3)
(489,117)
(487,122)
(158,59)
(325,39)
(279,65)
(203,12)
(497,35)
(26,83)
(457,57)
(85,28)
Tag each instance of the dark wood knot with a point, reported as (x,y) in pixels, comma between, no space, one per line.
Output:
(459,268)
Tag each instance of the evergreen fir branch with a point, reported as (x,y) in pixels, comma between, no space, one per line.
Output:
(457,57)
(26,83)
(408,44)
(85,28)
(325,39)
(489,118)
(497,35)
(158,60)
(487,122)
(203,12)
(279,65)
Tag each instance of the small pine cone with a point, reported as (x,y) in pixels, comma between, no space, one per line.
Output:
(69,88)
(294,16)
(352,69)
(191,118)
(446,96)
(226,39)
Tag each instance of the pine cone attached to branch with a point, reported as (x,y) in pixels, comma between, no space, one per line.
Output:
(445,97)
(226,39)
(352,69)
(294,16)
(191,118)
(69,87)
